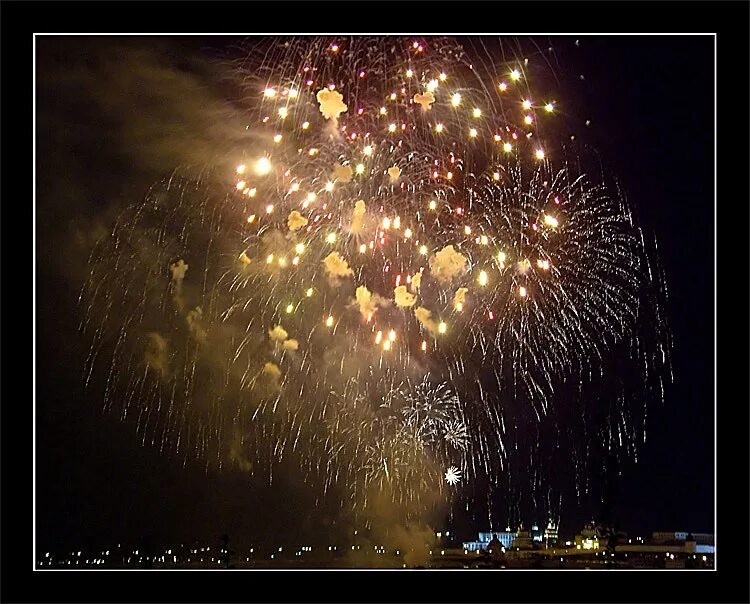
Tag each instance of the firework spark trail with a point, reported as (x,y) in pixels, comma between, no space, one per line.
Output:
(402,272)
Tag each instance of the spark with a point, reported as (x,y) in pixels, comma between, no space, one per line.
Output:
(452,475)
(262,166)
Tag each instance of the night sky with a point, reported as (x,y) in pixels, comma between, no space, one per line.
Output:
(104,105)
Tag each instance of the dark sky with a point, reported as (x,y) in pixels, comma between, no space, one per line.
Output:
(650,103)
(653,119)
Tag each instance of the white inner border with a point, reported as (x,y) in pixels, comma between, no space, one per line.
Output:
(33,561)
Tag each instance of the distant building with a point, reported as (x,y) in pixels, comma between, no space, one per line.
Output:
(505,538)
(701,539)
(537,534)
(674,542)
(495,548)
(588,538)
(550,533)
(523,540)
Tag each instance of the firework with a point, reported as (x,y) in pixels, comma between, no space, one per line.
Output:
(453,475)
(400,270)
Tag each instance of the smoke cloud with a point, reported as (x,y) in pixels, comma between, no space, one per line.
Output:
(447,264)
(403,298)
(178,270)
(368,302)
(331,103)
(358,216)
(155,354)
(459,299)
(426,100)
(416,281)
(193,319)
(278,334)
(296,221)
(336,267)
(290,344)
(424,317)
(341,173)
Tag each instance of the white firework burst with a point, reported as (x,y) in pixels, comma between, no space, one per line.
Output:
(452,475)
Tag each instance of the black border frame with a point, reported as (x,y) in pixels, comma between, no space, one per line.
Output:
(728,584)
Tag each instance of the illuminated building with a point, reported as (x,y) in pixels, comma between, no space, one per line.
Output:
(550,533)
(505,538)
(523,539)
(537,535)
(588,538)
(673,542)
